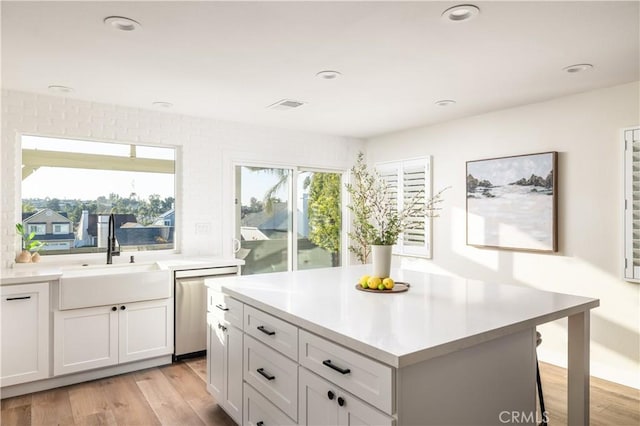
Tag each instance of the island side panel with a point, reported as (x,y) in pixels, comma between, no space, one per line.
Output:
(578,371)
(485,384)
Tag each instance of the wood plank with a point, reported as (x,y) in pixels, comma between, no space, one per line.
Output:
(52,407)
(103,418)
(199,365)
(165,400)
(86,399)
(210,412)
(20,415)
(127,402)
(16,401)
(184,380)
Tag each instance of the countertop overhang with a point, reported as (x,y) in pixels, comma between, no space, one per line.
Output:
(438,315)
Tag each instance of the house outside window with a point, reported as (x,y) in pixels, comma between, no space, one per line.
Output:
(70,187)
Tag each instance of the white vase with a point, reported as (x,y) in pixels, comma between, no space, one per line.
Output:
(381,257)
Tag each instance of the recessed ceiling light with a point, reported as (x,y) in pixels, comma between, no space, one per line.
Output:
(445,102)
(162,104)
(577,68)
(462,12)
(121,23)
(328,75)
(60,89)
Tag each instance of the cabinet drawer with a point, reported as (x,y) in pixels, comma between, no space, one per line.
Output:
(273,374)
(258,410)
(365,378)
(225,308)
(272,331)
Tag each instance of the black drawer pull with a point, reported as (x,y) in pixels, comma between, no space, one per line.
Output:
(328,363)
(265,331)
(341,401)
(260,423)
(18,298)
(114,308)
(222,308)
(331,395)
(265,374)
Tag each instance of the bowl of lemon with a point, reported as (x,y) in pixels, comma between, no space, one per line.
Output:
(380,285)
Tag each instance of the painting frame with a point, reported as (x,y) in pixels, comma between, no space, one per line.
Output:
(519,210)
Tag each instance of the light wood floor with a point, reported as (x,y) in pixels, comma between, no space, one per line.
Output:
(176,395)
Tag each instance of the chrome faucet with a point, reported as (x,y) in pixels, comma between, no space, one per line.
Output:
(111,240)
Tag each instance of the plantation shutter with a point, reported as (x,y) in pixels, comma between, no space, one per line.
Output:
(408,179)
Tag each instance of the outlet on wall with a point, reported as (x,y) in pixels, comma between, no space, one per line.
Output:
(203,228)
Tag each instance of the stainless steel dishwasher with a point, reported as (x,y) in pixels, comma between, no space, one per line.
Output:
(190,295)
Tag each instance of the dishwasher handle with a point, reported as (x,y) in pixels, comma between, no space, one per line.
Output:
(207,272)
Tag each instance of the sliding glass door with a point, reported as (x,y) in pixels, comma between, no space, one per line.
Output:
(287,218)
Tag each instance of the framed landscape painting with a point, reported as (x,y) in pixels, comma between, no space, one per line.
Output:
(512,202)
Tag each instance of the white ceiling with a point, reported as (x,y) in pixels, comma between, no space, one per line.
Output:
(230,60)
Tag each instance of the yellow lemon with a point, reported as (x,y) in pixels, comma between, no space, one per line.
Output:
(374,282)
(363,281)
(388,283)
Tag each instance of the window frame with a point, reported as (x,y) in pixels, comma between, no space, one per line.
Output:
(88,257)
(292,258)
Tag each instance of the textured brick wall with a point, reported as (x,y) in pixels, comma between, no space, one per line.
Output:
(206,150)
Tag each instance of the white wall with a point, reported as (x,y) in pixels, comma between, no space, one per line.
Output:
(584,129)
(206,149)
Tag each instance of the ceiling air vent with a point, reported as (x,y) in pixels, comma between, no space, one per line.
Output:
(286,104)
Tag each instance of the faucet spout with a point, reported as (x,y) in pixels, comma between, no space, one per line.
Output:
(111,240)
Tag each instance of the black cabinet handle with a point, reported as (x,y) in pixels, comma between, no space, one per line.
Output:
(222,327)
(265,374)
(122,308)
(222,308)
(260,423)
(18,298)
(265,331)
(114,309)
(328,363)
(341,401)
(331,395)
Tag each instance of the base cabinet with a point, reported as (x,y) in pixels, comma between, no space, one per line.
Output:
(259,411)
(323,403)
(102,336)
(24,322)
(224,365)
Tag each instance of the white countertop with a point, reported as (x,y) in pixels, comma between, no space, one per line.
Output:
(47,271)
(438,314)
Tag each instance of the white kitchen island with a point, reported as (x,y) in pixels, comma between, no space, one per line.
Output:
(449,351)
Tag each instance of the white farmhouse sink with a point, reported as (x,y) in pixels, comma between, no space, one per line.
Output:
(101,285)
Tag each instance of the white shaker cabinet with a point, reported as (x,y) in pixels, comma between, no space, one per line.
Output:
(101,336)
(323,403)
(25,333)
(145,329)
(224,354)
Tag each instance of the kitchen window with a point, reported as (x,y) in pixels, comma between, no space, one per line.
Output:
(69,188)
